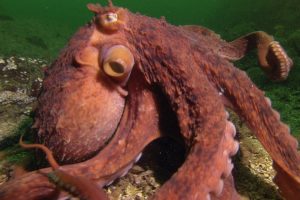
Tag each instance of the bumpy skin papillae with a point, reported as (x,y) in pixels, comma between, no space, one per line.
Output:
(140,116)
(202,122)
(277,68)
(121,152)
(256,110)
(272,58)
(71,89)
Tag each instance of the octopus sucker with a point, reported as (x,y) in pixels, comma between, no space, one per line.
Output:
(271,131)
(268,101)
(219,188)
(125,80)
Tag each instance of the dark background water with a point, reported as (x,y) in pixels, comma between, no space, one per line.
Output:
(40,28)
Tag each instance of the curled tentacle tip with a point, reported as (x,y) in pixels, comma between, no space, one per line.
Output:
(279,62)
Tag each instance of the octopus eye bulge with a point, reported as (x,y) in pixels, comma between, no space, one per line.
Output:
(110,18)
(114,68)
(118,62)
(110,22)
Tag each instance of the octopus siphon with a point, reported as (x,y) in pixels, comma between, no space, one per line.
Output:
(103,101)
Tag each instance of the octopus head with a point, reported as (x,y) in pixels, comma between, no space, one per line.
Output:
(84,92)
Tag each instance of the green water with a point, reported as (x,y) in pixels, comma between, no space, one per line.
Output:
(40,28)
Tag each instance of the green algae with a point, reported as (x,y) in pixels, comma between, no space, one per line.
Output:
(11,153)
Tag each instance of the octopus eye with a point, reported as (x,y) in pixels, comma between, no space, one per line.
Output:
(118,62)
(114,68)
(111,22)
(111,18)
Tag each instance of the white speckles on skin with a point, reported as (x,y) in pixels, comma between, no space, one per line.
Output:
(121,142)
(146,108)
(66,139)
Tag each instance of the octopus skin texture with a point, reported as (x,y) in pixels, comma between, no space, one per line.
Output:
(100,105)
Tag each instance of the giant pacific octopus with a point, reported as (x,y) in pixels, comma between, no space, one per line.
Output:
(101,104)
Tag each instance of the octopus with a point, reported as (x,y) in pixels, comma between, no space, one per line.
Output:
(124,80)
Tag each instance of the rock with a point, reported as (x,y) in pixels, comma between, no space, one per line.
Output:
(16,101)
(8,97)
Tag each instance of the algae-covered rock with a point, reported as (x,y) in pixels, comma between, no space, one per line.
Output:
(19,80)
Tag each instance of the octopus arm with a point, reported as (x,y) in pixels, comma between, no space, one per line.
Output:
(140,116)
(251,104)
(202,124)
(272,57)
(138,127)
